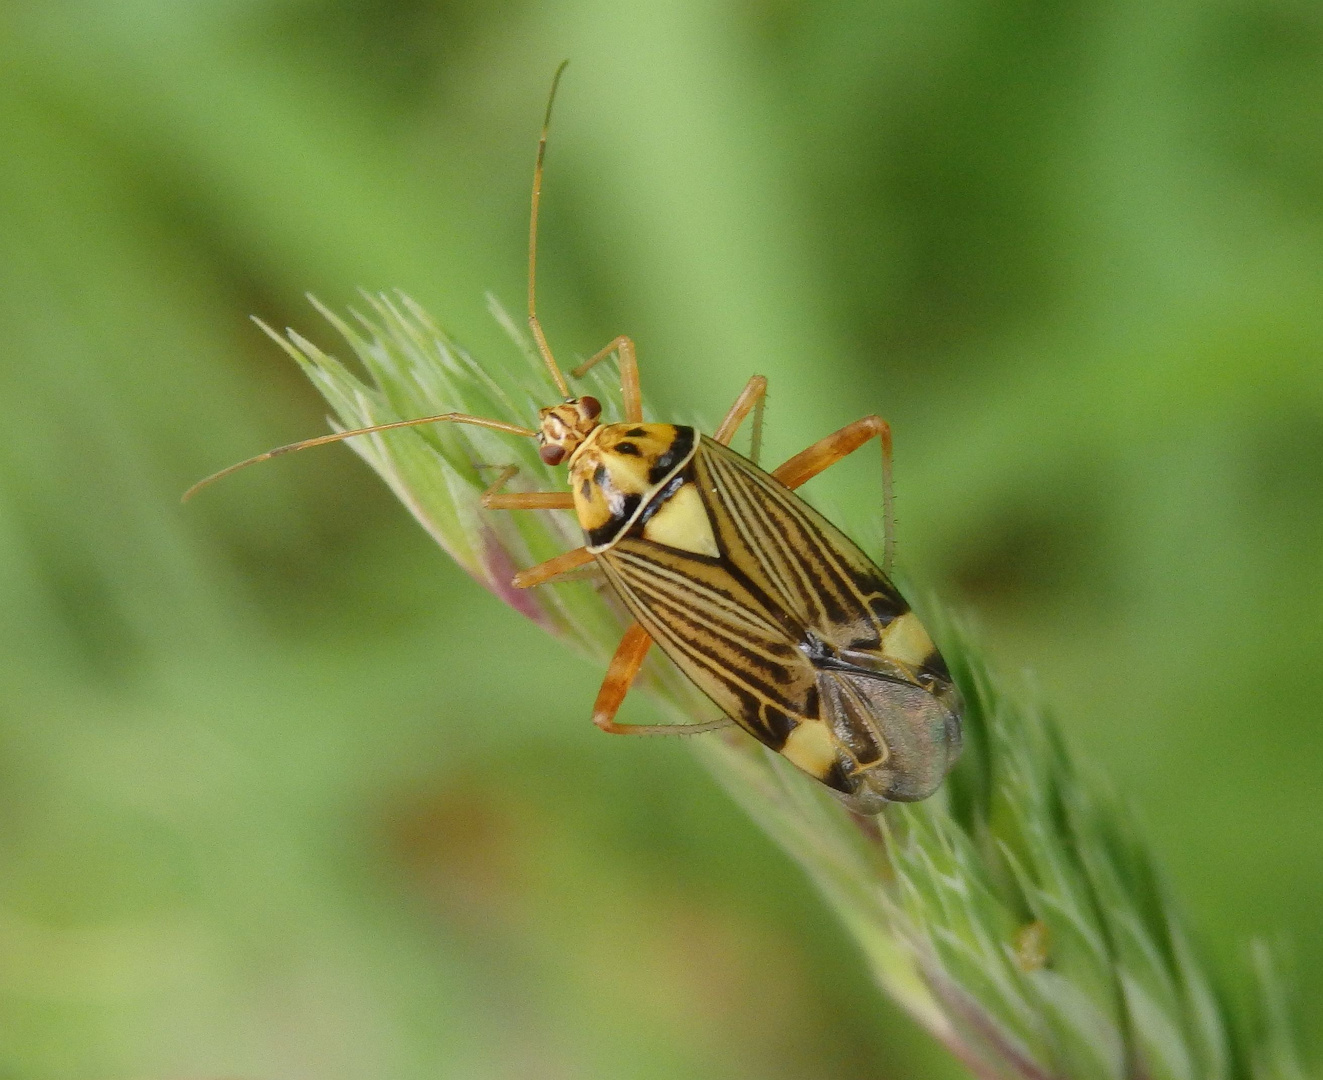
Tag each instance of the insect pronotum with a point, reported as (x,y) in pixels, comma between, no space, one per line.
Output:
(776,615)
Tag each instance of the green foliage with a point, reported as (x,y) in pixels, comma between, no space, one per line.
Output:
(285,793)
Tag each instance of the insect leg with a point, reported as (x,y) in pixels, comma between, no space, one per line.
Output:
(619,676)
(629,375)
(492,499)
(547,571)
(752,397)
(827,452)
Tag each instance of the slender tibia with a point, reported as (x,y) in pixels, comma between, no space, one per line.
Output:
(620,675)
(752,398)
(494,499)
(547,571)
(630,391)
(827,452)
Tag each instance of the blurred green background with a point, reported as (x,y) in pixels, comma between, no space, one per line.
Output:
(285,795)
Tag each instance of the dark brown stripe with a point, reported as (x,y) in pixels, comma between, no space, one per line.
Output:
(746,675)
(935,666)
(817,547)
(839,779)
(681,447)
(659,500)
(854,584)
(729,638)
(603,534)
(778,726)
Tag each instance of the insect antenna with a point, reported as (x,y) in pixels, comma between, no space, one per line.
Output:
(337,436)
(533,322)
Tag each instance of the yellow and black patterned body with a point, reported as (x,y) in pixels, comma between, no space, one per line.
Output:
(770,609)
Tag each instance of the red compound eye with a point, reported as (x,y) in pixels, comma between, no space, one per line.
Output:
(590,407)
(552,455)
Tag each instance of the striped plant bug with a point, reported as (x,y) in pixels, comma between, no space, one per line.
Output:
(778,617)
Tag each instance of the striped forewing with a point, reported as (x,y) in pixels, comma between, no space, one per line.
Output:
(718,632)
(737,625)
(805,565)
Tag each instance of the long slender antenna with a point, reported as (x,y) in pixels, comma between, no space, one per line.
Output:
(322,440)
(536,326)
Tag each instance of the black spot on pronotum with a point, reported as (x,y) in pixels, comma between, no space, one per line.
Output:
(681,447)
(586,488)
(600,477)
(636,433)
(603,534)
(627,448)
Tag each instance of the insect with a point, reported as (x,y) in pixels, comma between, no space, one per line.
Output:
(778,617)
